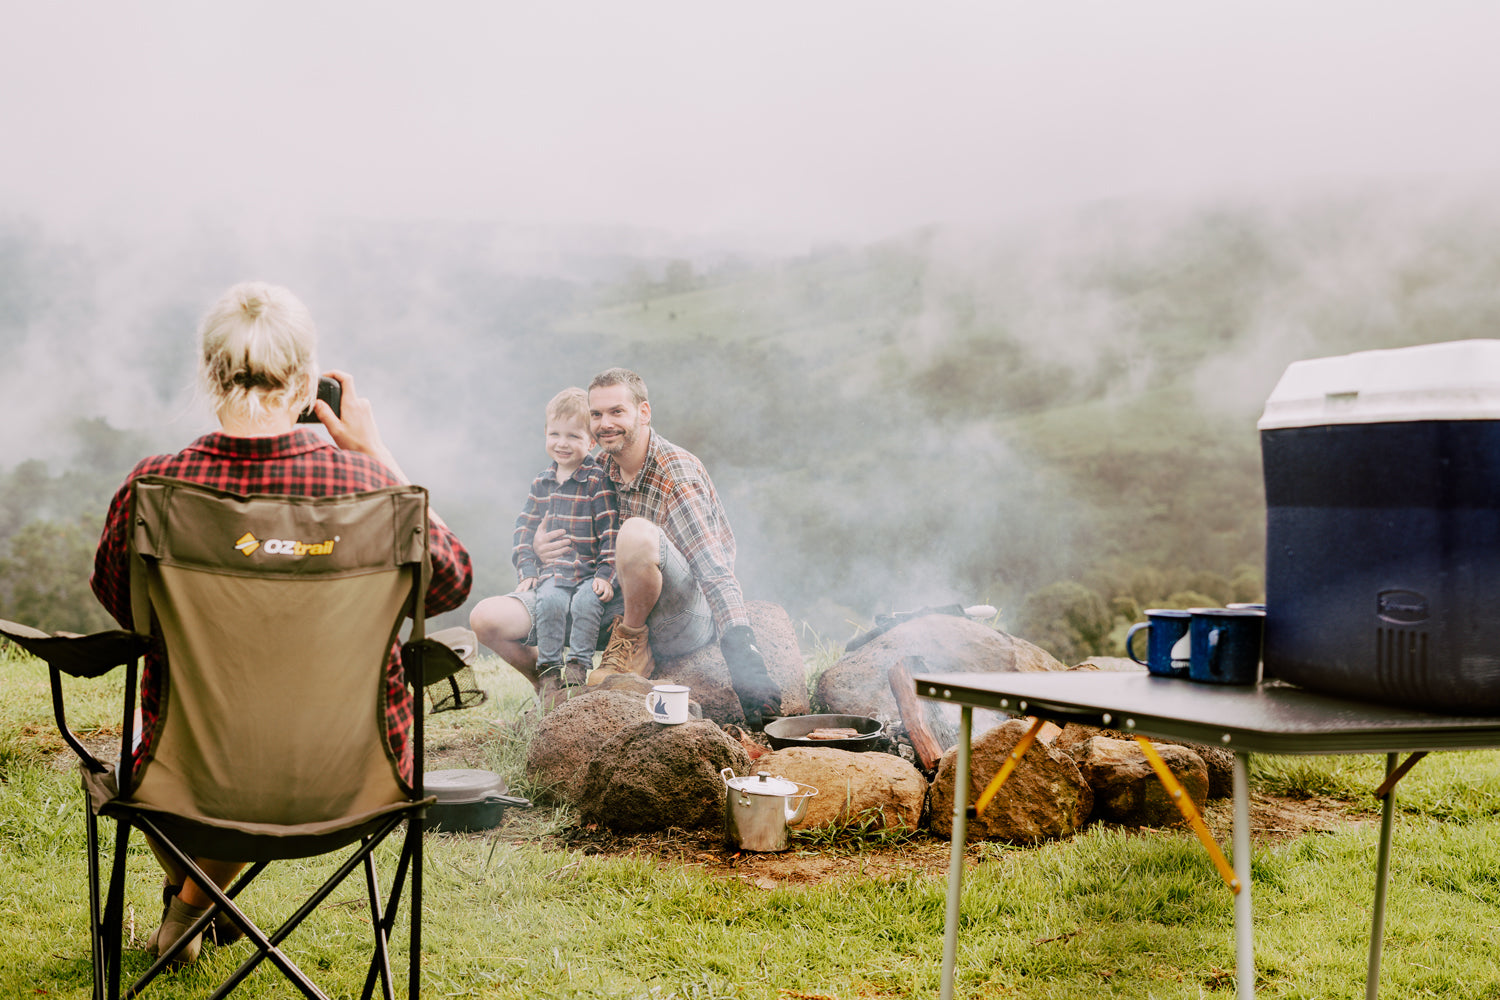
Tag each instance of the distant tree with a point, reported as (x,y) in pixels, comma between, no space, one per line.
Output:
(1249,585)
(1189,599)
(1219,589)
(44,576)
(23,491)
(679,277)
(1068,620)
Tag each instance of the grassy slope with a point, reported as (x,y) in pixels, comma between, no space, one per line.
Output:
(1106,913)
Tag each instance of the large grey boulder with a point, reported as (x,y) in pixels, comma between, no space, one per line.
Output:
(1126,788)
(570,735)
(654,776)
(877,788)
(703,670)
(859,683)
(1045,796)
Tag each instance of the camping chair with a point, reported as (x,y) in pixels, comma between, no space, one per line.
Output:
(278,616)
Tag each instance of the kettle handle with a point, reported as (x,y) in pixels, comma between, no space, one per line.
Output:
(725,773)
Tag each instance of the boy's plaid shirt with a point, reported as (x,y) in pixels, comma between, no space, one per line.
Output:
(301,464)
(673,492)
(584,506)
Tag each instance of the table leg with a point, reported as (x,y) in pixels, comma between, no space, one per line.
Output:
(956,858)
(1382,879)
(1244,941)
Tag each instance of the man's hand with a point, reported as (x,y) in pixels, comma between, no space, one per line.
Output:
(760,697)
(552,546)
(603,589)
(529,583)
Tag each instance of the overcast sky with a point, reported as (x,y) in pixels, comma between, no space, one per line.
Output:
(814,119)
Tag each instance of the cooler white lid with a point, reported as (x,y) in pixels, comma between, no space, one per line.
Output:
(1457,380)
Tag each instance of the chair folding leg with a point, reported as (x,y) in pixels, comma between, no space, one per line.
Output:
(414,842)
(380,962)
(387,921)
(266,945)
(96,920)
(112,929)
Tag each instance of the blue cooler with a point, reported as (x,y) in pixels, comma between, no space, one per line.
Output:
(1382,474)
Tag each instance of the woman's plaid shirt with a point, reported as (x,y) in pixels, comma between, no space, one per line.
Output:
(301,464)
(673,492)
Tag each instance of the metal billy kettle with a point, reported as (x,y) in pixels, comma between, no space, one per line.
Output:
(758,809)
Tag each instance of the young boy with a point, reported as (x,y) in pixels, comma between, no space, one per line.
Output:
(573,494)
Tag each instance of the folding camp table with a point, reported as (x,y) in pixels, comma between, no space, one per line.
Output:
(1269,717)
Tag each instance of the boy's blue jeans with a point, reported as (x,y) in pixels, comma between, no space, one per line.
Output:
(554,604)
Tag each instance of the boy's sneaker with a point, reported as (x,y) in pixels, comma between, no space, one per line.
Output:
(628,652)
(576,673)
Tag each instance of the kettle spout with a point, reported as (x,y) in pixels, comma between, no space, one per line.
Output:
(795,813)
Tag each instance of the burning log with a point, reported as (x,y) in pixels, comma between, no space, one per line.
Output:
(927,733)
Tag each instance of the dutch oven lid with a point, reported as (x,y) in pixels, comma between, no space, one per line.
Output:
(462,785)
(763,783)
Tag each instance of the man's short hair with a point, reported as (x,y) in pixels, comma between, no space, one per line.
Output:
(570,404)
(621,376)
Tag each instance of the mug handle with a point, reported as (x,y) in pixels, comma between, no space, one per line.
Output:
(1130,641)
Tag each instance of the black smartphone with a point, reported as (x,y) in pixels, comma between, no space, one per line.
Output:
(330,392)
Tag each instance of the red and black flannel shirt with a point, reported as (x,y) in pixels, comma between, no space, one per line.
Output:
(673,492)
(300,464)
(584,506)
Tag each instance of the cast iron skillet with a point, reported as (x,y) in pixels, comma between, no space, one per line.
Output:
(792,730)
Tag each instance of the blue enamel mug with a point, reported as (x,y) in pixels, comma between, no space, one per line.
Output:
(1224,645)
(1166,628)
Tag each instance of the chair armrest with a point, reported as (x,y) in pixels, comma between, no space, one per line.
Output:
(79,655)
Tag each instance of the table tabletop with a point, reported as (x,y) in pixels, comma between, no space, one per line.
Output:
(1269,717)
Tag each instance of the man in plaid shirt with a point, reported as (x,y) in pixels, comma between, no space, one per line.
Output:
(674,558)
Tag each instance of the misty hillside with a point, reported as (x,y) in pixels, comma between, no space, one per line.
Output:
(1057,418)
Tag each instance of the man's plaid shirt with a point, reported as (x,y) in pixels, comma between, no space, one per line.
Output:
(301,464)
(673,492)
(584,506)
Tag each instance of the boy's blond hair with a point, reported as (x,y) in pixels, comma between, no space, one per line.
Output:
(570,404)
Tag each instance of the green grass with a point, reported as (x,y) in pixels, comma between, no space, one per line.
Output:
(1107,913)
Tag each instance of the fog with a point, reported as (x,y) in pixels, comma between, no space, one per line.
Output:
(778,122)
(913,282)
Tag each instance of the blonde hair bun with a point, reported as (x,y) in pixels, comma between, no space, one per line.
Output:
(259,348)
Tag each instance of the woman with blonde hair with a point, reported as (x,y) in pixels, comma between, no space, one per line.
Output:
(258,366)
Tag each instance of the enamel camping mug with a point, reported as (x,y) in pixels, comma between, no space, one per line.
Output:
(1167,626)
(1224,645)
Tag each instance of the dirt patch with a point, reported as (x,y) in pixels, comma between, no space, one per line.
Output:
(1277,819)
(814,862)
(807,862)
